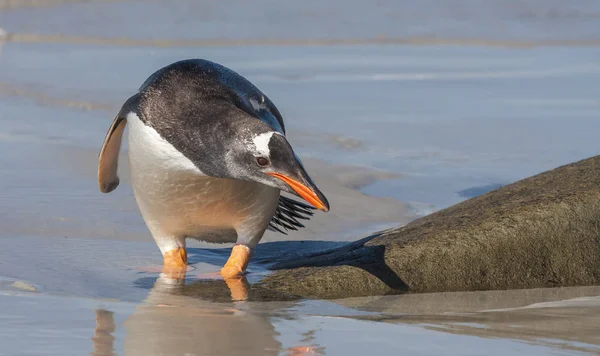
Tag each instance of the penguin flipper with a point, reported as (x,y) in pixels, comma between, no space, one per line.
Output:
(108,159)
(287,214)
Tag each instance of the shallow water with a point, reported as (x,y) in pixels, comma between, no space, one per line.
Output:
(107,328)
(107,306)
(416,107)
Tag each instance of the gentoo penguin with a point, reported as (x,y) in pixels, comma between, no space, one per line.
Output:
(208,157)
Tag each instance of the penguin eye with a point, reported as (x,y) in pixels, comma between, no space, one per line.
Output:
(263,162)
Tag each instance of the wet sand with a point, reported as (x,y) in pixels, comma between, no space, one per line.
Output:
(397,110)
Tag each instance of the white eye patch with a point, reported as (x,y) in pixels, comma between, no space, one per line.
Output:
(261,143)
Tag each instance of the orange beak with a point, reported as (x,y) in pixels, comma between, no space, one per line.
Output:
(303,191)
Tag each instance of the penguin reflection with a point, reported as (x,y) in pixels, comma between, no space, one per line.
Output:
(198,318)
(103,339)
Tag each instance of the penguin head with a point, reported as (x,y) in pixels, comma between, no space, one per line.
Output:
(260,154)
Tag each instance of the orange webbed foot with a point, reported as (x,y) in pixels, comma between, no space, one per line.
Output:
(237,262)
(175,263)
(233,272)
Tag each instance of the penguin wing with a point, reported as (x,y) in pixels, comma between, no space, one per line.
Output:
(287,214)
(108,159)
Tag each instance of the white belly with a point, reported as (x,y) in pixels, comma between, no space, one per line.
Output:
(177,200)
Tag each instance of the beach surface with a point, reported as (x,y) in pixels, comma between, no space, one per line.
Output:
(397,109)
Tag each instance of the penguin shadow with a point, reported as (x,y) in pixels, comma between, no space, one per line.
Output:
(280,255)
(327,254)
(272,256)
(204,282)
(183,317)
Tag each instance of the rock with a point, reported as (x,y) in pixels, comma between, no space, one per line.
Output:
(543,231)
